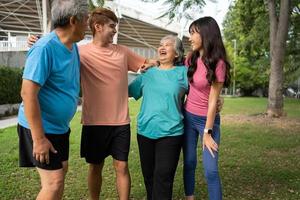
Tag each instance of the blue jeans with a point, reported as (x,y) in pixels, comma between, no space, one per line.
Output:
(193,127)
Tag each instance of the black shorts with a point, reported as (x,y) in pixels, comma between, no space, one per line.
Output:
(98,142)
(59,141)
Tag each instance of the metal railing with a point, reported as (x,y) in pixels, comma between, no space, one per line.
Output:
(13,46)
(22,46)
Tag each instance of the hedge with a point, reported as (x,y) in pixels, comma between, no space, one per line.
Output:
(10,85)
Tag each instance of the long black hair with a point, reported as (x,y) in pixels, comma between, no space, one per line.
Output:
(213,49)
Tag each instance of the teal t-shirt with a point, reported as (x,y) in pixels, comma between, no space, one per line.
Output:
(163,93)
(56,69)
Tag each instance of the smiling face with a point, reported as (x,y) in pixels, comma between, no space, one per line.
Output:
(166,51)
(108,31)
(195,39)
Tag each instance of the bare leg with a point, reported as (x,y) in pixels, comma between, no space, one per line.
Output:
(123,179)
(52,182)
(192,197)
(95,180)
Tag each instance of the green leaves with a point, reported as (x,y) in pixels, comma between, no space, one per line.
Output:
(248,23)
(180,8)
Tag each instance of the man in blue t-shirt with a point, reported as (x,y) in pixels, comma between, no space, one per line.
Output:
(50,90)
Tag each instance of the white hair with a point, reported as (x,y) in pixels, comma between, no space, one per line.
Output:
(62,10)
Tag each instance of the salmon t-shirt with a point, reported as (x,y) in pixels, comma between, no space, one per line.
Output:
(104,83)
(197,99)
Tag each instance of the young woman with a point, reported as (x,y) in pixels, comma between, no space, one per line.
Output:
(208,72)
(160,121)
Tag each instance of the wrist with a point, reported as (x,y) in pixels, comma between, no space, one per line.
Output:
(208,131)
(38,139)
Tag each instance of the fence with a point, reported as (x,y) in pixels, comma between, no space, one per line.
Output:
(22,46)
(13,46)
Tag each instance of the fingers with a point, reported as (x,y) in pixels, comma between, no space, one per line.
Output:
(211,152)
(142,69)
(52,149)
(31,40)
(41,157)
(212,147)
(47,159)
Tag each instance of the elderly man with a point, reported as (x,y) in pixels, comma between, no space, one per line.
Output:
(50,91)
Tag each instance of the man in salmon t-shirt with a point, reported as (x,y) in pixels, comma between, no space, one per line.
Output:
(105,117)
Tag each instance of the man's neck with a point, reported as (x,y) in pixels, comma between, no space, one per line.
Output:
(65,37)
(99,42)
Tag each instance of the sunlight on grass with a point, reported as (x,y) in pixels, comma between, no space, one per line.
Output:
(256,161)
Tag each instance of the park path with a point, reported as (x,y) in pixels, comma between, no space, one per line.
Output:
(12,121)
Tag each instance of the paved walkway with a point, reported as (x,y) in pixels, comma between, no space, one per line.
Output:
(12,121)
(5,123)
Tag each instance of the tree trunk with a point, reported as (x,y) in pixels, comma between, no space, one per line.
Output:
(278,36)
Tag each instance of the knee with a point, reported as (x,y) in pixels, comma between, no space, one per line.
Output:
(54,184)
(211,175)
(121,167)
(95,168)
(190,164)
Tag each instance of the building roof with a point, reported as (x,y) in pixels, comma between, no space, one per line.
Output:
(135,28)
(21,16)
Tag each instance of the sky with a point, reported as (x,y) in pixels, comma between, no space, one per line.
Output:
(216,10)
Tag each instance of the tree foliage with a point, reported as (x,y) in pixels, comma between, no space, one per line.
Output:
(248,23)
(95,3)
(181,8)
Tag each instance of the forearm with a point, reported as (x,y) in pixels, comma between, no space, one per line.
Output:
(211,114)
(33,116)
(212,104)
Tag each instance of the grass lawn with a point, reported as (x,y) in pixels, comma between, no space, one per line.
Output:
(259,158)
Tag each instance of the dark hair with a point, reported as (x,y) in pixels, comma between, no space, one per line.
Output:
(213,49)
(101,16)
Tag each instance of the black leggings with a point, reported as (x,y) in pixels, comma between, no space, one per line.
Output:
(159,159)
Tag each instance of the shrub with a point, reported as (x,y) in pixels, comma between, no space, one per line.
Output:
(10,85)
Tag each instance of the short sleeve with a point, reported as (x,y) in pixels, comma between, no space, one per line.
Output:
(135,88)
(37,65)
(134,61)
(220,71)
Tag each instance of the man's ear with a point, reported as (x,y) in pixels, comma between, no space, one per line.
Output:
(98,27)
(73,20)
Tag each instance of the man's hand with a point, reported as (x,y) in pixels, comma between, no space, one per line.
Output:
(41,148)
(32,39)
(220,104)
(148,63)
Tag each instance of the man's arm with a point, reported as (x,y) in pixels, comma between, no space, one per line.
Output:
(41,145)
(148,63)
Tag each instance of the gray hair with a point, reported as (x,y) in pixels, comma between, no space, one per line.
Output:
(63,10)
(178,47)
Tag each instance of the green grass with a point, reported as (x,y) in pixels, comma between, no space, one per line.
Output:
(257,160)
(253,106)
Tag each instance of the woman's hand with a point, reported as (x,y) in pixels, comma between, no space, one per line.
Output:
(209,143)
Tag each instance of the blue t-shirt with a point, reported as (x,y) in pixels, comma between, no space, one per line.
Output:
(163,94)
(56,69)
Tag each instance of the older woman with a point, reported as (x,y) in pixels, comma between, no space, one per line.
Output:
(160,121)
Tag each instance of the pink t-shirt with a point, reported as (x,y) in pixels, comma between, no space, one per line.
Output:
(104,83)
(197,99)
